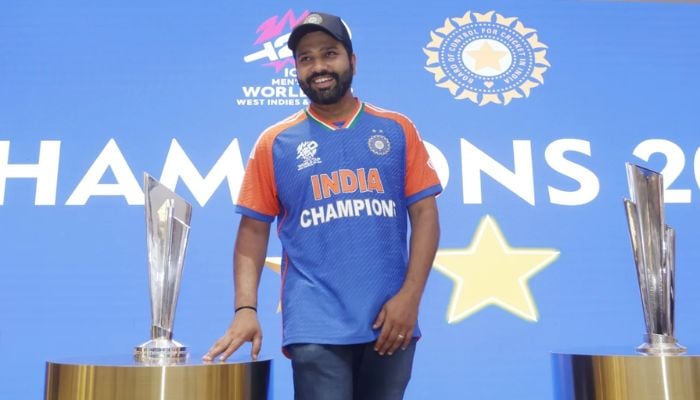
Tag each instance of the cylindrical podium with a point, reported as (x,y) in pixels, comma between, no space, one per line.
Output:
(625,376)
(122,379)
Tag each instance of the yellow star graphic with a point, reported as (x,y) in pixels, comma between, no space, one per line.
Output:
(274,263)
(486,57)
(490,272)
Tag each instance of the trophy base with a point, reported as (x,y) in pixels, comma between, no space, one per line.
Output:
(618,374)
(117,377)
(160,351)
(660,345)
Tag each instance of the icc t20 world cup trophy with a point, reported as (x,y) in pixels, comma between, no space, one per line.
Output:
(653,245)
(167,229)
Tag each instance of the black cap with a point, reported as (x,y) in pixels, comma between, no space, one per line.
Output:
(317,21)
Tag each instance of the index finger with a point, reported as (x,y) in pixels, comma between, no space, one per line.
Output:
(219,346)
(384,336)
(232,347)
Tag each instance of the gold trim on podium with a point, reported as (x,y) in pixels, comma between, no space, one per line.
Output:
(625,377)
(127,381)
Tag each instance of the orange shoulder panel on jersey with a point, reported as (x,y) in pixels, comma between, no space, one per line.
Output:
(420,173)
(259,191)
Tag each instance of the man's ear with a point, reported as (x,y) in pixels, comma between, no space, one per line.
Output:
(353,63)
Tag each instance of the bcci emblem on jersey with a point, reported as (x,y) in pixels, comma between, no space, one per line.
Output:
(379,145)
(306,151)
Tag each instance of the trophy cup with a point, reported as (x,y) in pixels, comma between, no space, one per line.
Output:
(653,245)
(167,227)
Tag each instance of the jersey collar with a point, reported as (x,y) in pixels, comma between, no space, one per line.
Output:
(329,124)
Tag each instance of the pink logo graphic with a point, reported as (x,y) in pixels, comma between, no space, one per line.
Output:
(274,42)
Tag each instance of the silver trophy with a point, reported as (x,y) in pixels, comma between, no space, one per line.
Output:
(167,228)
(653,245)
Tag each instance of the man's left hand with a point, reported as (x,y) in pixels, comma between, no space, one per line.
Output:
(396,319)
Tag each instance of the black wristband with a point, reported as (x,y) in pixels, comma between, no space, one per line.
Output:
(244,307)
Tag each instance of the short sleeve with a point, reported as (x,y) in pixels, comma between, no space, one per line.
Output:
(421,177)
(258,195)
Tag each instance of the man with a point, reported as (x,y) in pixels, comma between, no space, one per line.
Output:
(340,177)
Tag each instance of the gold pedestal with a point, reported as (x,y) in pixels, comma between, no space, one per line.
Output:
(122,379)
(625,377)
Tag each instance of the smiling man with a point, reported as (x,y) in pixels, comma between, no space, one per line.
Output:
(341,177)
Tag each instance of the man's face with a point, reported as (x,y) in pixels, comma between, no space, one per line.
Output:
(324,69)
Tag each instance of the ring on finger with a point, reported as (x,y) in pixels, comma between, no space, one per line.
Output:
(400,336)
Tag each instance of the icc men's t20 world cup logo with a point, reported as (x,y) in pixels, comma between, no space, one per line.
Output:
(486,58)
(275,84)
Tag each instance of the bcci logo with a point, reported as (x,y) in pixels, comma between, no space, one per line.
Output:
(306,151)
(313,19)
(486,58)
(379,144)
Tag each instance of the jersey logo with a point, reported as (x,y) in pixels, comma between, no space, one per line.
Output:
(306,151)
(379,144)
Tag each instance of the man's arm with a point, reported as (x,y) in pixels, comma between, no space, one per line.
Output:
(399,315)
(248,260)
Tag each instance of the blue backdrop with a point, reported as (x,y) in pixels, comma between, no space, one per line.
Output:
(534,254)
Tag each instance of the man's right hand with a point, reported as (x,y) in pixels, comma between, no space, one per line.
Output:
(244,328)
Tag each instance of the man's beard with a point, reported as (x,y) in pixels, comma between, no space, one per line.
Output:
(327,96)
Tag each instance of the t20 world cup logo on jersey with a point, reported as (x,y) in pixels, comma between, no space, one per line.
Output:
(278,85)
(306,151)
(486,58)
